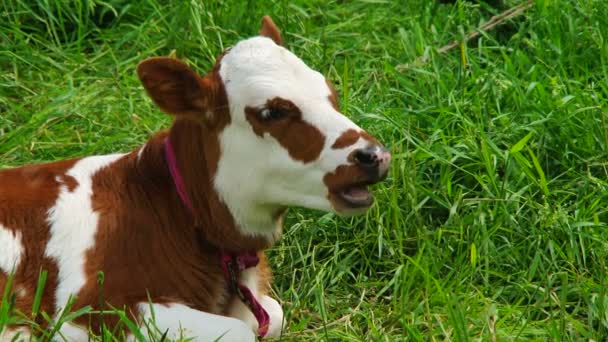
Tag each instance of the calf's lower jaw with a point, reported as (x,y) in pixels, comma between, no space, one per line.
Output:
(351,201)
(356,196)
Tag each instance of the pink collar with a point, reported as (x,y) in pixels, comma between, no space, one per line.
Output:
(232,263)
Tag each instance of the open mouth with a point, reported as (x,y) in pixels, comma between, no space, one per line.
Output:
(356,195)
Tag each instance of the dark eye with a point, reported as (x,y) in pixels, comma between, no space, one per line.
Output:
(270,114)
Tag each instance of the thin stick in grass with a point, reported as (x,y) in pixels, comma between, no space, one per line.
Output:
(495,21)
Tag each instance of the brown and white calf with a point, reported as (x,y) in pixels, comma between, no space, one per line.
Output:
(259,133)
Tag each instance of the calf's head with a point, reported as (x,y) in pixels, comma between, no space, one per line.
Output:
(281,138)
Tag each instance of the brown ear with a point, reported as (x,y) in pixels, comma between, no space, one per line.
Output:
(173,86)
(270,30)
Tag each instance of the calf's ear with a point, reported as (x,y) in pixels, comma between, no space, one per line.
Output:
(270,30)
(173,85)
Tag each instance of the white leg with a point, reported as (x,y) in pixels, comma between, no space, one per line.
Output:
(241,312)
(183,322)
(71,333)
(276,315)
(9,334)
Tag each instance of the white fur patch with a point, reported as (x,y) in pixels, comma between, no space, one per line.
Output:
(182,321)
(73,226)
(71,333)
(12,249)
(21,292)
(9,334)
(141,152)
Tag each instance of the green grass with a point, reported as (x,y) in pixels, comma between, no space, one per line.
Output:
(492,224)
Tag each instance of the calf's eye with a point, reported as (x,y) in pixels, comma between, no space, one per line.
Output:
(271,114)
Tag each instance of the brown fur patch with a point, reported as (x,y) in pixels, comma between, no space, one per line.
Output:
(26,195)
(264,274)
(333,97)
(303,141)
(369,138)
(69,181)
(162,233)
(147,243)
(348,138)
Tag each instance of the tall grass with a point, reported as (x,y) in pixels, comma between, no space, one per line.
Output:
(492,224)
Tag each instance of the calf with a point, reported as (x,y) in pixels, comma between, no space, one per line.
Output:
(179,226)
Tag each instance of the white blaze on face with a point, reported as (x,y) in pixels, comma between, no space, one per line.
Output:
(256,172)
(11,249)
(73,226)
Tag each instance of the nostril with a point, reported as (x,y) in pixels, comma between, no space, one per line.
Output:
(366,157)
(385,155)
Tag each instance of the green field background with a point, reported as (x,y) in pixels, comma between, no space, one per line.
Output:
(492,224)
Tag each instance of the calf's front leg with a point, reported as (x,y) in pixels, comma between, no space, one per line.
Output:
(240,311)
(181,321)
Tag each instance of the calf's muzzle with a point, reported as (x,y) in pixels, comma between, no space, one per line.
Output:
(374,160)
